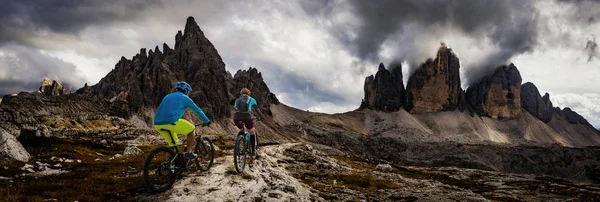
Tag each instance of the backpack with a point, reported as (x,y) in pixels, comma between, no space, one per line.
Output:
(243,104)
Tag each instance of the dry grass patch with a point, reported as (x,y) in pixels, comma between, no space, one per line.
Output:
(362,182)
(116,180)
(65,123)
(355,163)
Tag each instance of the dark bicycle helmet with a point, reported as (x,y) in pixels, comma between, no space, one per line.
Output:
(182,85)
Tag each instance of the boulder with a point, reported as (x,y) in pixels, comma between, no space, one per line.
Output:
(435,85)
(384,91)
(497,95)
(11,149)
(132,151)
(384,167)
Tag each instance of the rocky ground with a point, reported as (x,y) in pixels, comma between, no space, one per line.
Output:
(301,172)
(76,170)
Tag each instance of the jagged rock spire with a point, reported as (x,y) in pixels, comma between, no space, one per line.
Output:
(435,85)
(384,91)
(145,79)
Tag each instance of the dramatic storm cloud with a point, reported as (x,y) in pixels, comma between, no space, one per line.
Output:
(24,21)
(22,68)
(314,54)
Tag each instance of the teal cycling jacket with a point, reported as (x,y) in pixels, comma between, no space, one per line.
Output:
(173,106)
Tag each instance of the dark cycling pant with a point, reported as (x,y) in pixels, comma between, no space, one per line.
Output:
(241,122)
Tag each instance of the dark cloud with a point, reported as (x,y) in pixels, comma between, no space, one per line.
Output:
(505,22)
(20,19)
(16,86)
(509,25)
(591,48)
(23,68)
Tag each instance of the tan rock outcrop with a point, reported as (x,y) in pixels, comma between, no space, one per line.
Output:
(435,85)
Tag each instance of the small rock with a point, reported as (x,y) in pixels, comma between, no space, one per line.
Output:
(96,159)
(58,165)
(274,195)
(53,158)
(103,142)
(309,148)
(68,161)
(30,170)
(78,161)
(384,167)
(132,151)
(289,189)
(27,166)
(115,156)
(99,154)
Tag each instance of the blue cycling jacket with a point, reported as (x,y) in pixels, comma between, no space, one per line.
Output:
(173,106)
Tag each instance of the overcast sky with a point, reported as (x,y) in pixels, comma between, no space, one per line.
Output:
(314,54)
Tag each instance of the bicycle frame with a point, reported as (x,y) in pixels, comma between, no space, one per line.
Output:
(176,149)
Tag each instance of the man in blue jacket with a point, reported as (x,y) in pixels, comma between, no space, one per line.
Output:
(169,113)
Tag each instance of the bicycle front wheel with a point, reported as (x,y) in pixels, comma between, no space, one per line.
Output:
(206,153)
(159,169)
(239,153)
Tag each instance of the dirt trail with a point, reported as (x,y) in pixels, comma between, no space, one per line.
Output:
(262,179)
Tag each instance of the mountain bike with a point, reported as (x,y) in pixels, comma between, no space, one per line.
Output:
(242,147)
(164,164)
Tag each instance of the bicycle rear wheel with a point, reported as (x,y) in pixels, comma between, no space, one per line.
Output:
(239,153)
(159,169)
(206,154)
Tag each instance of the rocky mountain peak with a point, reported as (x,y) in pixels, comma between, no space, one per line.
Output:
(144,80)
(498,95)
(385,90)
(253,80)
(572,116)
(435,84)
(52,88)
(536,105)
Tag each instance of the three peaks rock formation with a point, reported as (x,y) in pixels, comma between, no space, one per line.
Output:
(435,86)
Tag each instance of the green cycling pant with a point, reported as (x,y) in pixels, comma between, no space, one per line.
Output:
(179,127)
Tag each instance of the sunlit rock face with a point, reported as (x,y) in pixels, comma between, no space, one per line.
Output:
(52,88)
(435,85)
(497,95)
